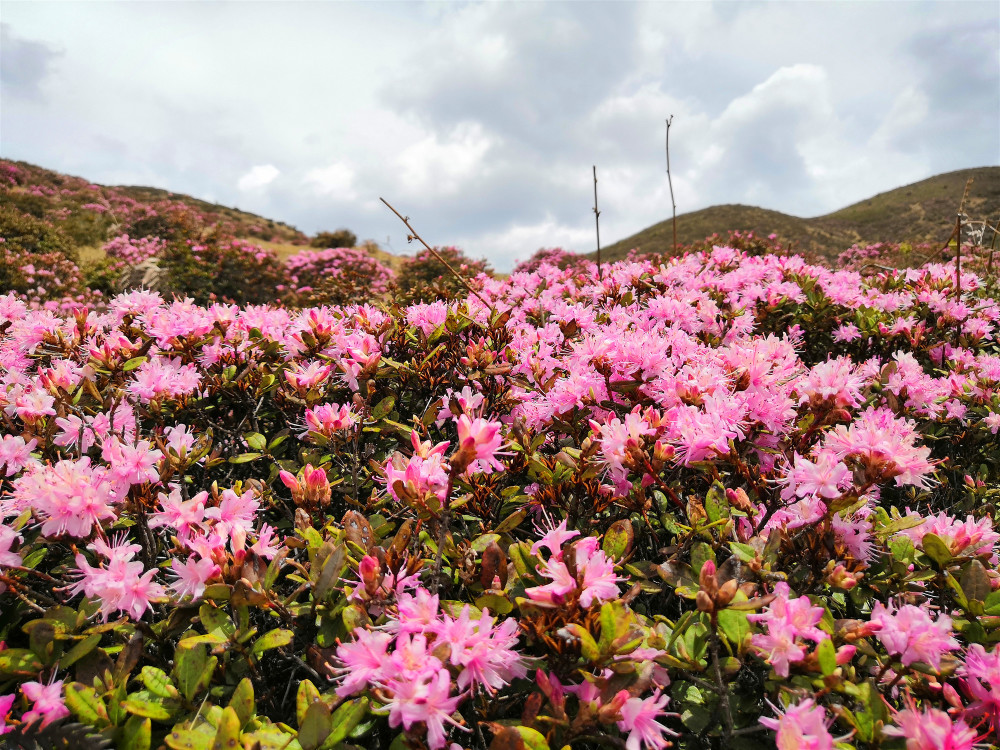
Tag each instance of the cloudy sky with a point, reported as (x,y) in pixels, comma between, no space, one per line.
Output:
(482,121)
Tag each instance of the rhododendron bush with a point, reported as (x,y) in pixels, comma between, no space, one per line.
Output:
(727,501)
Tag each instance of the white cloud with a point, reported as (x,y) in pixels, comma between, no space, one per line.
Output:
(258,177)
(442,166)
(482,120)
(335,180)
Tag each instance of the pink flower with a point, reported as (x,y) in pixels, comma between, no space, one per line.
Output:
(553,594)
(786,620)
(15,454)
(981,673)
(192,575)
(6,702)
(184,516)
(553,540)
(803,726)
(363,660)
(912,635)
(424,699)
(639,719)
(48,702)
(478,442)
(931,729)
(135,464)
(822,477)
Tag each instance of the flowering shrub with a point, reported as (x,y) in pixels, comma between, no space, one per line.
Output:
(726,501)
(217,267)
(337,276)
(423,278)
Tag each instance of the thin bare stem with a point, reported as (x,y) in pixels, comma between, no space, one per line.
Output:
(414,236)
(597,226)
(670,182)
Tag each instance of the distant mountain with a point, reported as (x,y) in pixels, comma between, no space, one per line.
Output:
(922,212)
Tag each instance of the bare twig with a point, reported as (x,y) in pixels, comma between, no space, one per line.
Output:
(597,226)
(414,236)
(670,182)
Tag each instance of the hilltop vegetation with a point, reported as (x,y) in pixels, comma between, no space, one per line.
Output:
(923,212)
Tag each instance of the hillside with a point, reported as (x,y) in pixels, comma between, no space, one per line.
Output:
(87,212)
(921,212)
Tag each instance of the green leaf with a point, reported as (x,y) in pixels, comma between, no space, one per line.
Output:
(618,539)
(827,656)
(133,363)
(144,703)
(256,441)
(244,458)
(227,734)
(315,726)
(480,543)
(495,603)
(305,697)
(243,702)
(86,705)
(80,650)
(19,662)
(216,622)
(700,554)
(273,639)
(198,736)
(383,408)
(532,738)
(343,721)
(158,682)
(588,646)
(936,549)
(512,521)
(735,626)
(192,669)
(716,503)
(137,734)
(976,582)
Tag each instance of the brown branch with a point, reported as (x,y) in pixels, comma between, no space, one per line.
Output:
(670,182)
(414,236)
(597,226)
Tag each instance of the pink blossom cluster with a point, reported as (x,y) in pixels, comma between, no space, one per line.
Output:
(428,662)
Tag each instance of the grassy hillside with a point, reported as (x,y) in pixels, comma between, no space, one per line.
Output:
(921,212)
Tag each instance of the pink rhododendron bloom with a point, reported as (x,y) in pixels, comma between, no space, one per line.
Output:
(134,464)
(184,516)
(363,660)
(554,539)
(786,620)
(47,702)
(981,679)
(822,477)
(639,719)
(122,585)
(911,634)
(327,419)
(802,726)
(6,702)
(425,699)
(71,496)
(478,441)
(192,576)
(931,729)
(15,454)
(234,512)
(970,536)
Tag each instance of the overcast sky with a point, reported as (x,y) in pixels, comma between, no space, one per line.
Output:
(482,121)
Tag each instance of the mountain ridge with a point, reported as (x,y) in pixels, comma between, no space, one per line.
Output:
(920,212)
